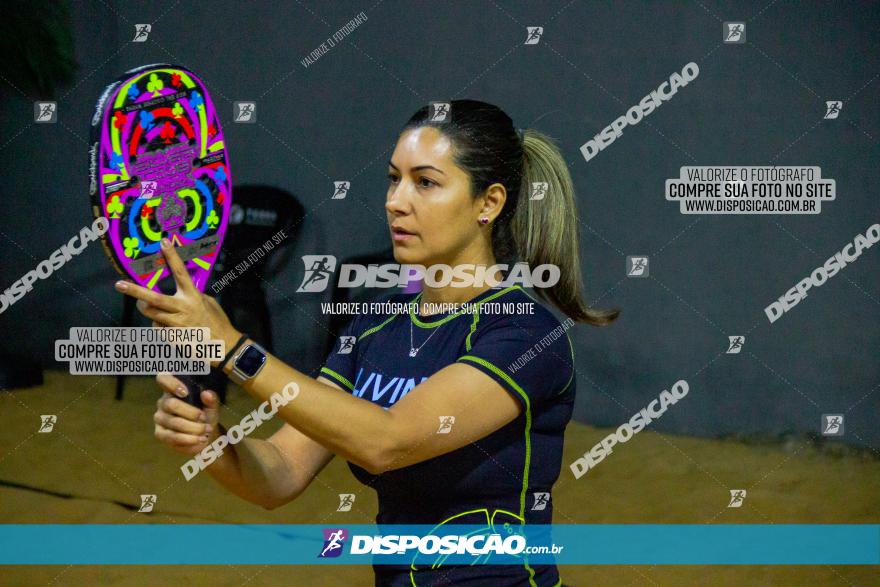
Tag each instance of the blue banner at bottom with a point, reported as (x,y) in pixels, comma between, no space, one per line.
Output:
(561,544)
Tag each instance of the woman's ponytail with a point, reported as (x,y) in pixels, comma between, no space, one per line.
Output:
(545,227)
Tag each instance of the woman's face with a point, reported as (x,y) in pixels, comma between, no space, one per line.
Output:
(431,214)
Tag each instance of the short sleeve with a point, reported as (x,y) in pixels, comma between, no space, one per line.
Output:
(339,366)
(530,356)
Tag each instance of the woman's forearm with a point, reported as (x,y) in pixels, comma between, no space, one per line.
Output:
(357,430)
(256,471)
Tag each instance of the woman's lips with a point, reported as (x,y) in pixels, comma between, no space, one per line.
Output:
(399,235)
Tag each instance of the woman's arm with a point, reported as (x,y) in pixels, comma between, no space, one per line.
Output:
(377,439)
(356,429)
(271,472)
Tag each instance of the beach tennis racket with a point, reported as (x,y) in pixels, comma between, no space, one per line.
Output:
(159,168)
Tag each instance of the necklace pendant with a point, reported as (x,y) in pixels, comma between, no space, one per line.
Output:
(412,352)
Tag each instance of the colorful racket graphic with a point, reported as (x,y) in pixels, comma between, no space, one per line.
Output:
(159,168)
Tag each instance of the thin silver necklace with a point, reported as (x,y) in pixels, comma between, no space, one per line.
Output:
(413,350)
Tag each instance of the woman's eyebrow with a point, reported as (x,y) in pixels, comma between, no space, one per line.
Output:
(418,168)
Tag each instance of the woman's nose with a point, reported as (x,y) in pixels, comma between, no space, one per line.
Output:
(397,201)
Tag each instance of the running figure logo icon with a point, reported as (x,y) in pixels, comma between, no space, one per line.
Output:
(446,423)
(832,424)
(319,268)
(534,35)
(340,189)
(245,112)
(346,344)
(334,538)
(539,190)
(148,188)
(141,32)
(147,503)
(542,498)
(737,496)
(439,111)
(735,344)
(734,32)
(636,266)
(47,423)
(832,109)
(45,112)
(346,500)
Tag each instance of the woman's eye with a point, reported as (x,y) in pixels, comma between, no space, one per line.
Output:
(423,181)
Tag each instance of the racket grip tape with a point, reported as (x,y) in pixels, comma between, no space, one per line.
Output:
(194,385)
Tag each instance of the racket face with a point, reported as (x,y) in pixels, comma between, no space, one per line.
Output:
(159,169)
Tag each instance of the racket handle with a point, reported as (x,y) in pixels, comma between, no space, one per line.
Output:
(194,385)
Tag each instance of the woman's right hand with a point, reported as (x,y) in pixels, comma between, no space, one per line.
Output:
(181,426)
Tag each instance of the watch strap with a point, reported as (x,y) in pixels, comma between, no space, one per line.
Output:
(231,352)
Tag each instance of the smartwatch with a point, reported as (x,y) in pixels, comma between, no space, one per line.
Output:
(247,363)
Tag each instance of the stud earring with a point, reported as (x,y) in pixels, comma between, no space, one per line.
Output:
(484,219)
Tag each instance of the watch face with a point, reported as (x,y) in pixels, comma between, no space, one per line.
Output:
(250,361)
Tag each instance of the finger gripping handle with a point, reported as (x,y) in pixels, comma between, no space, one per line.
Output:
(194,385)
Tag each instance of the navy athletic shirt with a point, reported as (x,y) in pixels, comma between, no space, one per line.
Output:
(503,478)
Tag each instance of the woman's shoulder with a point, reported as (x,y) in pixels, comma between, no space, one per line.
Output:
(522,344)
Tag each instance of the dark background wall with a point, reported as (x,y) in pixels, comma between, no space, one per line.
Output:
(758,103)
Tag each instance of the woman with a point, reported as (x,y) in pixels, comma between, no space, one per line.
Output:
(458,194)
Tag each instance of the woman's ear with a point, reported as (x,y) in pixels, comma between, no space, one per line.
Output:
(493,200)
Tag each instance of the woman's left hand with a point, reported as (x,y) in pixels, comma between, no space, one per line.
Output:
(187,308)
